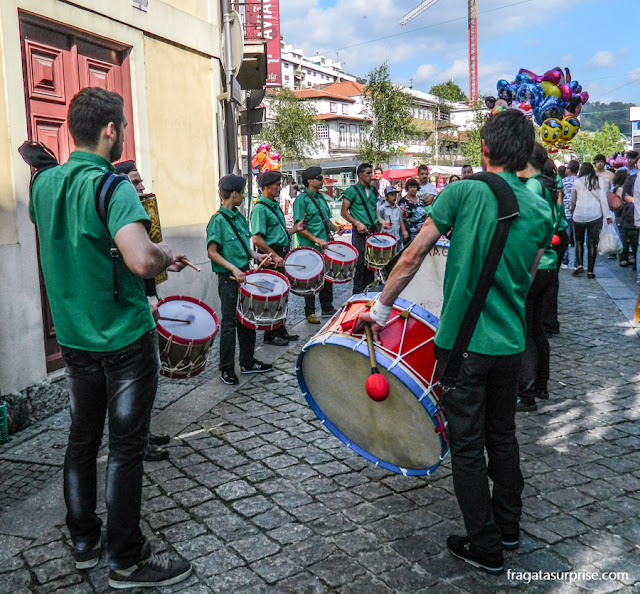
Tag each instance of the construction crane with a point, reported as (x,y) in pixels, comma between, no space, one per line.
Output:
(473,41)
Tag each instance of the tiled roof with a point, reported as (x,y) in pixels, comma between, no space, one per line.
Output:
(337,116)
(347,88)
(314,93)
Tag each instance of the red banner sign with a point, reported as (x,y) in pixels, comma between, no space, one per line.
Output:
(262,21)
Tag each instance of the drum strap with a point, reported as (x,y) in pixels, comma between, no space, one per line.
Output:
(324,220)
(364,203)
(275,213)
(237,234)
(508,211)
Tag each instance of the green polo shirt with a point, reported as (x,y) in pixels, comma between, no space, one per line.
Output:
(75,256)
(267,219)
(549,260)
(304,206)
(358,208)
(471,209)
(229,247)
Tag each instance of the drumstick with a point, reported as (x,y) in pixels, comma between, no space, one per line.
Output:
(175,320)
(329,249)
(253,284)
(185,261)
(297,265)
(265,261)
(377,384)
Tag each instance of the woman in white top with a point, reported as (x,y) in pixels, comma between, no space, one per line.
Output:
(589,205)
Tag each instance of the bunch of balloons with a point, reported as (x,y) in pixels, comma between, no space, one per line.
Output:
(617,160)
(265,160)
(554,101)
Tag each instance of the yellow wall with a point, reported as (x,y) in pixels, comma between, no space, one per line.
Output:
(197,8)
(8,231)
(182,142)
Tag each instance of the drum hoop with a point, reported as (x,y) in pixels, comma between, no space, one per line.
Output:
(184,341)
(383,248)
(305,280)
(245,322)
(257,296)
(411,383)
(343,262)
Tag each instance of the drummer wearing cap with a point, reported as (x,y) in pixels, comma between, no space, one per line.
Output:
(359,205)
(311,207)
(271,236)
(230,254)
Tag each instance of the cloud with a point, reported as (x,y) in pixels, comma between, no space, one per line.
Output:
(602,60)
(633,76)
(426,72)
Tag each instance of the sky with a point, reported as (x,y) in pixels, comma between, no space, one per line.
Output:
(597,40)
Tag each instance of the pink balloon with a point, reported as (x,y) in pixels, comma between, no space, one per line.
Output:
(534,77)
(567,92)
(553,76)
(584,96)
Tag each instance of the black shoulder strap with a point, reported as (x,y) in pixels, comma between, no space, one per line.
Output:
(364,202)
(508,211)
(273,210)
(106,188)
(237,234)
(324,220)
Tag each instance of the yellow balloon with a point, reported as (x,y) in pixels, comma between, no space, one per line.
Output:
(550,89)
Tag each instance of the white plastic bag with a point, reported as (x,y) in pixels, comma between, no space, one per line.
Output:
(609,243)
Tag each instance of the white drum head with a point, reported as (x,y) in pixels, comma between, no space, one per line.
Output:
(306,264)
(341,252)
(202,323)
(271,284)
(381,241)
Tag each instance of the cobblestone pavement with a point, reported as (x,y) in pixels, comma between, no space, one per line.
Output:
(262,498)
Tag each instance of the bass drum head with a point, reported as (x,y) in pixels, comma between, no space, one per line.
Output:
(397,433)
(303,264)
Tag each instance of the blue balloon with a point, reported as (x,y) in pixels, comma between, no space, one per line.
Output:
(522,79)
(531,92)
(573,84)
(550,108)
(502,84)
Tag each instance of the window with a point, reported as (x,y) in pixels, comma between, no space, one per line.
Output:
(345,109)
(342,129)
(333,107)
(322,130)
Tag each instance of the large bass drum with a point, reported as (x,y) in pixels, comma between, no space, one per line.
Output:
(404,433)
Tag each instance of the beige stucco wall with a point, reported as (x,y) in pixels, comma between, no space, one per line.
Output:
(197,8)
(8,230)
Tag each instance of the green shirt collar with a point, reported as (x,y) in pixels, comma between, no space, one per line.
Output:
(233,212)
(91,158)
(364,190)
(267,201)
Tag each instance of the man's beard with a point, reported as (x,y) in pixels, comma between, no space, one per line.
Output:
(117,149)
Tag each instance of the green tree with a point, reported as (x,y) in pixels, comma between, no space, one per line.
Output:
(472,148)
(291,128)
(449,91)
(595,115)
(388,109)
(606,141)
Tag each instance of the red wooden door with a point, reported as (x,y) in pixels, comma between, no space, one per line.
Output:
(57,63)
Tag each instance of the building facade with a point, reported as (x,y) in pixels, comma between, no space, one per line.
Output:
(302,72)
(166,62)
(634,118)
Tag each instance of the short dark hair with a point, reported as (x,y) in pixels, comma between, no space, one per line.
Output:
(411,182)
(510,137)
(573,166)
(423,167)
(599,157)
(632,155)
(562,170)
(467,166)
(538,157)
(225,194)
(619,177)
(90,111)
(362,167)
(377,169)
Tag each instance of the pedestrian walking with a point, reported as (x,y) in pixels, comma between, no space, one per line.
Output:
(414,210)
(567,184)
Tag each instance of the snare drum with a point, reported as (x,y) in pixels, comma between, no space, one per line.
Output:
(404,433)
(304,268)
(380,249)
(184,348)
(263,300)
(340,262)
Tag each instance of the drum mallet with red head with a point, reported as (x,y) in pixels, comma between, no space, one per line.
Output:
(377,384)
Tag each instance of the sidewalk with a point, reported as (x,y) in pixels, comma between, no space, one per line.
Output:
(262,498)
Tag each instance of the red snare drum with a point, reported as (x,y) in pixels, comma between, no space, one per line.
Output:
(263,307)
(379,251)
(404,433)
(184,348)
(340,262)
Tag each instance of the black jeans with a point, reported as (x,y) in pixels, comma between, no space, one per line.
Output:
(229,325)
(535,361)
(363,277)
(480,415)
(592,230)
(629,243)
(551,323)
(124,383)
(326,300)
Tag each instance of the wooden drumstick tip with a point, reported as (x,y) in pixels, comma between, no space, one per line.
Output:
(267,260)
(185,261)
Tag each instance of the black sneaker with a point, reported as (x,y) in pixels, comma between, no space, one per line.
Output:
(510,542)
(461,547)
(155,454)
(543,394)
(157,570)
(578,270)
(158,439)
(257,367)
(291,337)
(228,376)
(89,557)
(276,341)
(525,405)
(329,313)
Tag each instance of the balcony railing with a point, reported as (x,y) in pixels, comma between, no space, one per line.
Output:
(251,13)
(345,145)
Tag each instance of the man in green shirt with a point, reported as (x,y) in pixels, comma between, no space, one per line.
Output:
(228,249)
(359,207)
(480,411)
(271,236)
(109,344)
(311,208)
